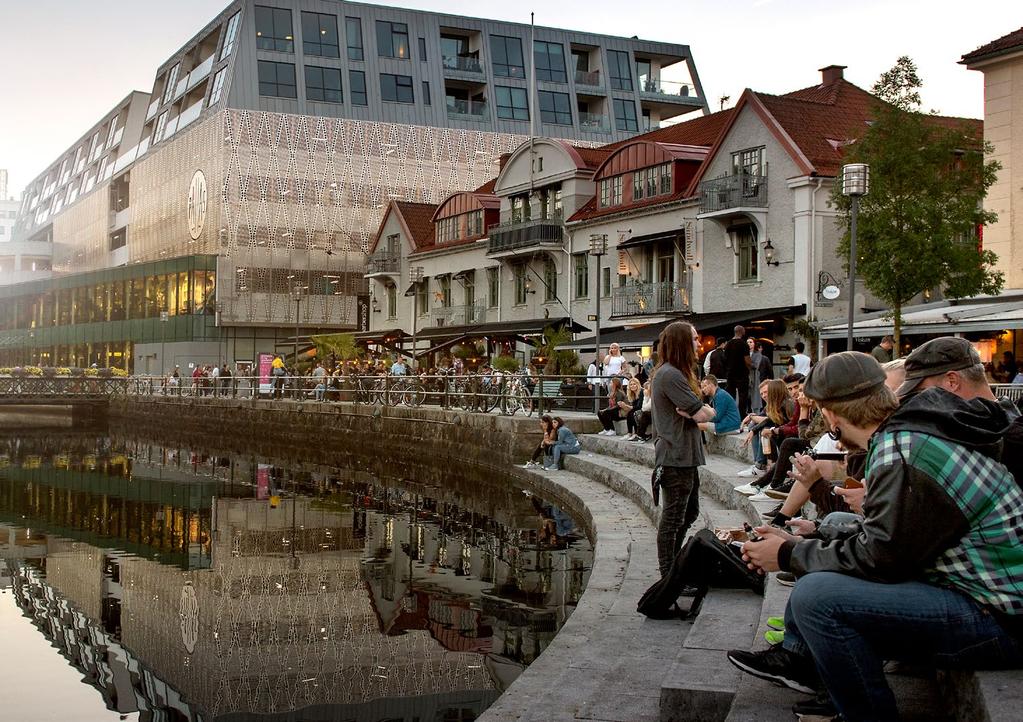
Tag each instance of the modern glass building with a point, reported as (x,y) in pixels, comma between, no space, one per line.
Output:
(275,138)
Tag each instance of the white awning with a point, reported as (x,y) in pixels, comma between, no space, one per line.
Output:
(987,313)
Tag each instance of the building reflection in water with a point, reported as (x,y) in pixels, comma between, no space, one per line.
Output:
(197,586)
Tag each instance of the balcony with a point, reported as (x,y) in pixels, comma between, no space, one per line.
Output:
(456,64)
(475,110)
(383,263)
(589,78)
(153,107)
(200,72)
(666,90)
(459,315)
(190,114)
(646,299)
(180,88)
(511,238)
(733,191)
(594,123)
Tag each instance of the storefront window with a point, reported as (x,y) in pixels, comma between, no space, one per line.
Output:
(153,296)
(117,301)
(184,299)
(172,294)
(137,300)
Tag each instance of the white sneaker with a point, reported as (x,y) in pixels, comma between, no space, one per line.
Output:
(751,472)
(530,464)
(747,490)
(607,432)
(761,496)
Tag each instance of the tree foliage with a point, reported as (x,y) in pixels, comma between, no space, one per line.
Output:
(917,226)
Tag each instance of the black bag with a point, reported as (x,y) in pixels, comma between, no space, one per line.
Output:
(703,562)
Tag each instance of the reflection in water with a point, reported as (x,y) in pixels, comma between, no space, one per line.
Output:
(188,586)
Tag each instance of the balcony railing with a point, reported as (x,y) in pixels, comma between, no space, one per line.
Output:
(200,72)
(588,77)
(594,123)
(658,87)
(459,315)
(463,63)
(467,109)
(644,299)
(153,107)
(524,234)
(733,191)
(190,114)
(383,263)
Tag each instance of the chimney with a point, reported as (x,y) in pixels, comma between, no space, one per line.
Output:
(832,73)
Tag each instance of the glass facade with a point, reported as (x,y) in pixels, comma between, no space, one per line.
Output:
(97,317)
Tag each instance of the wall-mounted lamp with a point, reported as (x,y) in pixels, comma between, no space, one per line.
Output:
(529,286)
(769,254)
(374,304)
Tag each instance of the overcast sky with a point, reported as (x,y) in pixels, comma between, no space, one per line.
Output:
(64,63)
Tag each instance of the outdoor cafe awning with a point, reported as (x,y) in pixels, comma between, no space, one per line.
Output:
(982,313)
(443,337)
(636,337)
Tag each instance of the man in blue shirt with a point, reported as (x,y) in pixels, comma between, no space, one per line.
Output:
(398,368)
(726,412)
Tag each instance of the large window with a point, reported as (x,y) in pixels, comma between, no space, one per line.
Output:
(550,202)
(353,38)
(444,284)
(748,162)
(555,108)
(650,182)
(168,93)
(550,280)
(392,301)
(161,124)
(493,287)
(507,54)
(230,35)
(319,35)
(357,87)
(520,270)
(609,191)
(512,103)
(550,62)
(625,115)
(392,40)
(218,86)
(582,275)
(323,84)
(273,29)
(619,69)
(396,88)
(746,257)
(423,297)
(277,79)
(520,208)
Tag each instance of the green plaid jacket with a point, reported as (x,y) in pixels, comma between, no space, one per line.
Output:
(987,562)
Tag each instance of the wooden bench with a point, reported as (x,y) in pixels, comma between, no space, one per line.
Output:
(548,393)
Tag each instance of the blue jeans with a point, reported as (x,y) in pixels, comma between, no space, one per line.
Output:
(759,458)
(321,391)
(850,626)
(561,449)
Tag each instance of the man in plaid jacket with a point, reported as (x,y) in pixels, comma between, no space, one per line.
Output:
(933,575)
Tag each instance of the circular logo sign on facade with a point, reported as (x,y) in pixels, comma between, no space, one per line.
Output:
(831,292)
(188,611)
(196,205)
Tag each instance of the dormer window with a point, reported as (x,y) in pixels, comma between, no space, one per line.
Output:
(610,192)
(651,182)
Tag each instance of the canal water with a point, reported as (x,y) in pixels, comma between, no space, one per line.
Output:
(142,581)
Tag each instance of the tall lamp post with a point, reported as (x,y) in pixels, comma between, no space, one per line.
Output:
(598,248)
(855,184)
(415,277)
(296,296)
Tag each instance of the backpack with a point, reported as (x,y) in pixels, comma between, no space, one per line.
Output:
(703,562)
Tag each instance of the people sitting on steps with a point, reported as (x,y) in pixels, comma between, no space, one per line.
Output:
(565,443)
(616,409)
(934,572)
(726,412)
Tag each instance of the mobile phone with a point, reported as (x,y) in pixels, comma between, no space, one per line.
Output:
(827,455)
(851,483)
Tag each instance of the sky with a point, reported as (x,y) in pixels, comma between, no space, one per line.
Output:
(65,63)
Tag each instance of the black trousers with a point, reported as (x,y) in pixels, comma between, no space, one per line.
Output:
(643,421)
(680,494)
(608,417)
(739,390)
(789,448)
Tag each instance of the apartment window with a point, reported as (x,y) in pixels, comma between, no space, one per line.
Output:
(746,260)
(638,184)
(474,224)
(357,87)
(426,93)
(172,79)
(218,86)
(111,132)
(277,80)
(605,282)
(625,115)
(273,29)
(550,62)
(230,35)
(610,191)
(319,35)
(392,40)
(666,179)
(469,284)
(555,108)
(520,271)
(619,69)
(396,88)
(550,280)
(422,50)
(550,203)
(512,103)
(444,282)
(423,297)
(582,275)
(323,84)
(520,210)
(507,54)
(161,124)
(392,301)
(353,37)
(646,123)
(747,162)
(493,287)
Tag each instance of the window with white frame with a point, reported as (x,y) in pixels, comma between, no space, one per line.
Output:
(493,287)
(748,162)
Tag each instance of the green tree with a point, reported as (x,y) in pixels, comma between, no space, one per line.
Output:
(917,227)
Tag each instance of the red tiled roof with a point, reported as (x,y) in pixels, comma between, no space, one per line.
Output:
(488,187)
(591,210)
(593,157)
(703,130)
(1004,44)
(418,218)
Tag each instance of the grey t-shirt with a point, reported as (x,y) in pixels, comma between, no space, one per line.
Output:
(678,440)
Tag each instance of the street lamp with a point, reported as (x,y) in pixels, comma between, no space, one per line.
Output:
(769,250)
(598,248)
(855,183)
(415,277)
(296,296)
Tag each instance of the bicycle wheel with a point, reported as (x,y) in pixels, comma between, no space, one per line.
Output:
(414,394)
(525,401)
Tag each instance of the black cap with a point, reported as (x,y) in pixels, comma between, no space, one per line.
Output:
(936,357)
(844,376)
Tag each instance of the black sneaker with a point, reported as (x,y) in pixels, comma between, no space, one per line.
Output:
(780,666)
(819,706)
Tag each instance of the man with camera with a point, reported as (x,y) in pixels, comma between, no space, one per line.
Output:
(933,575)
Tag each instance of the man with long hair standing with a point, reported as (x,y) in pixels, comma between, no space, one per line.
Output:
(677,409)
